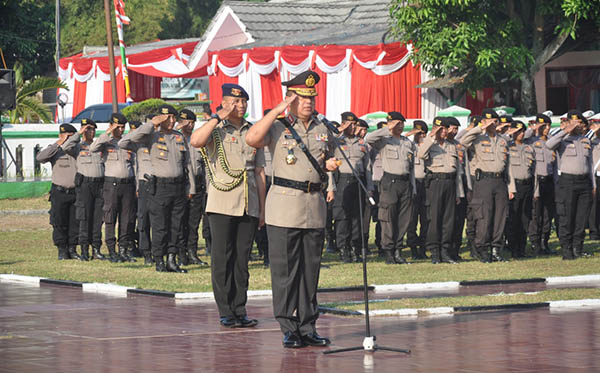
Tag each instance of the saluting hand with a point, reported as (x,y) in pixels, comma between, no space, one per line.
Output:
(434,130)
(570,127)
(83,129)
(226,110)
(486,125)
(158,119)
(111,128)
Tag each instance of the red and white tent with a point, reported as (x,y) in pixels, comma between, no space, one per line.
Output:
(88,77)
(359,78)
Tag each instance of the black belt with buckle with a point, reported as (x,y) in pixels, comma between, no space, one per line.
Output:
(305,186)
(524,181)
(492,175)
(574,177)
(63,189)
(88,179)
(118,180)
(442,175)
(170,180)
(394,177)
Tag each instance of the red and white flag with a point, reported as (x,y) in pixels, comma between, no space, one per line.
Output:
(120,11)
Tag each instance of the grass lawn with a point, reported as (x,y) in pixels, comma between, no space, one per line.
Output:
(26,248)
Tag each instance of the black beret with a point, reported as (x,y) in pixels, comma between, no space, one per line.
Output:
(362,123)
(118,118)
(234,90)
(541,118)
(489,114)
(439,121)
(518,125)
(167,109)
(134,124)
(150,116)
(348,116)
(475,120)
(67,128)
(304,83)
(187,114)
(452,121)
(575,114)
(88,122)
(506,119)
(420,125)
(394,115)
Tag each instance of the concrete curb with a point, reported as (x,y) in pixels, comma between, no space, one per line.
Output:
(23,212)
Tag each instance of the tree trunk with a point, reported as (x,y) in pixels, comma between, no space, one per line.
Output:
(528,98)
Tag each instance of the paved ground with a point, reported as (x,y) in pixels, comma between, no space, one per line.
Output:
(61,329)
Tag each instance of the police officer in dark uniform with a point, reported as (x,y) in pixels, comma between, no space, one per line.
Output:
(168,185)
(576,183)
(62,194)
(461,207)
(119,188)
(89,181)
(418,219)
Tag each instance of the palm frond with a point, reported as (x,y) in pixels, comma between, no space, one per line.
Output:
(40,84)
(18,67)
(33,108)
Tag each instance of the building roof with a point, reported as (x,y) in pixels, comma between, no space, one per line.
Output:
(102,51)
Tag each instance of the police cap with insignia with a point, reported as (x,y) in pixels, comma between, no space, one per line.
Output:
(134,124)
(518,125)
(167,109)
(575,114)
(452,121)
(439,121)
(489,114)
(187,114)
(88,122)
(118,118)
(475,120)
(304,83)
(67,128)
(395,115)
(362,123)
(348,116)
(420,125)
(541,118)
(506,119)
(234,90)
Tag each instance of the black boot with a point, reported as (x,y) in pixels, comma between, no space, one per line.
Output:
(346,255)
(414,253)
(545,248)
(85,253)
(160,264)
(389,257)
(63,253)
(96,253)
(73,253)
(536,250)
(485,254)
(568,253)
(172,264)
(445,256)
(148,259)
(579,253)
(436,256)
(473,250)
(496,255)
(125,255)
(134,251)
(113,256)
(398,257)
(356,255)
(184,259)
(193,255)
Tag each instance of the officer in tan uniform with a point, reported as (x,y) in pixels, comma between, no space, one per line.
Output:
(414,240)
(576,183)
(143,166)
(295,208)
(594,219)
(444,188)
(62,194)
(168,185)
(89,181)
(235,203)
(376,175)
(461,207)
(346,212)
(397,186)
(118,189)
(194,210)
(488,168)
(522,188)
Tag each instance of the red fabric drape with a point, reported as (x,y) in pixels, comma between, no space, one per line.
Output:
(392,92)
(270,87)
(214,86)
(107,93)
(321,99)
(78,97)
(484,98)
(144,87)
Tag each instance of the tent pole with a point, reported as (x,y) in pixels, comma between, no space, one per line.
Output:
(111,56)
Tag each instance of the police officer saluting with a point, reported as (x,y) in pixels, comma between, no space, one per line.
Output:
(295,207)
(62,194)
(397,186)
(89,181)
(576,183)
(119,188)
(489,203)
(418,218)
(168,185)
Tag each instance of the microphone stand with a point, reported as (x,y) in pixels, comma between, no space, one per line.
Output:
(368,344)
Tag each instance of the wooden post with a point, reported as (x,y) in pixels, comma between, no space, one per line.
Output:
(111,56)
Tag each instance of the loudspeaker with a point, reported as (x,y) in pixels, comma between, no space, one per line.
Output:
(8,90)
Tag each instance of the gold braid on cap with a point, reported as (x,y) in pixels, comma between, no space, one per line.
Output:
(237,174)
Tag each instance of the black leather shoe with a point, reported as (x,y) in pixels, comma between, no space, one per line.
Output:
(245,322)
(172,264)
(314,339)
(228,321)
(160,264)
(292,340)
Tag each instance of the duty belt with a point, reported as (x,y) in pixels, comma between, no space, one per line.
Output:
(574,177)
(492,175)
(442,175)
(170,180)
(119,180)
(544,178)
(524,181)
(63,189)
(395,177)
(305,186)
(88,179)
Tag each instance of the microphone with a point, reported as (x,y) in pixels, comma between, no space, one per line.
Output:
(327,123)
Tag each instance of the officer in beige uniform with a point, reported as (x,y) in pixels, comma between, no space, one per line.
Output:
(488,167)
(414,240)
(522,188)
(62,194)
(576,183)
(168,185)
(444,189)
(397,186)
(594,219)
(118,190)
(235,203)
(89,181)
(295,208)
(346,212)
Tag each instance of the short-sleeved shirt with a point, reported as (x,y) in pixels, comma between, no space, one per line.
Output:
(490,153)
(357,152)
(397,153)
(89,164)
(545,159)
(64,166)
(118,163)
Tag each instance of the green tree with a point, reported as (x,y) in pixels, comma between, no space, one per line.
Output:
(493,43)
(29,107)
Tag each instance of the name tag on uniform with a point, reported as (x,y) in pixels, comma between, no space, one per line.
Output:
(288,136)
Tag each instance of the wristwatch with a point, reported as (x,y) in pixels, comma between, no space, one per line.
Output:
(217,117)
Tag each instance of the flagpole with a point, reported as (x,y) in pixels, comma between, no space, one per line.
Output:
(111,56)
(119,11)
